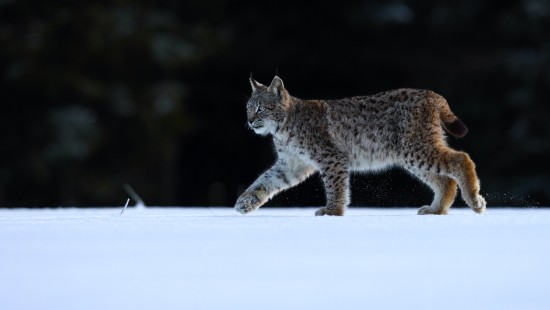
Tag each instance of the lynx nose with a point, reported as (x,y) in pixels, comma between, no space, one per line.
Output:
(251,120)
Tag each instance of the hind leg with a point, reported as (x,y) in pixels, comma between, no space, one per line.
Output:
(444,189)
(460,167)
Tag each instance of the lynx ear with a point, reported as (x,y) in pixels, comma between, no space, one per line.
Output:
(277,86)
(255,85)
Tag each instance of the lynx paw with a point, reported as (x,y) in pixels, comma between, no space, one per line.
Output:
(247,203)
(327,211)
(429,210)
(480,205)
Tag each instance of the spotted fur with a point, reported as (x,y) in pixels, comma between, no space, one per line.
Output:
(403,128)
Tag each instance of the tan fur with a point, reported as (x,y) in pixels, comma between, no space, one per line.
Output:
(402,128)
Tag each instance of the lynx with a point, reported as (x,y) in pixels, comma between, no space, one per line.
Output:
(399,128)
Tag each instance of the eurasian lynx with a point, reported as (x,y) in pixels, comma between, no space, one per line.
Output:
(401,128)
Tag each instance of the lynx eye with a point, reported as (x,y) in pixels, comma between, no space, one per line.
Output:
(260,109)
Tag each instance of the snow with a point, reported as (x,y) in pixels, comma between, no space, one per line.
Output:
(215,258)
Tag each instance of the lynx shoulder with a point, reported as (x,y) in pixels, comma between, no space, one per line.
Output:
(404,128)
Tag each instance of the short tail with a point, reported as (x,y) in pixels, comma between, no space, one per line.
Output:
(456,128)
(451,123)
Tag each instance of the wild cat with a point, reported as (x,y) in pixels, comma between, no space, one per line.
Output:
(398,128)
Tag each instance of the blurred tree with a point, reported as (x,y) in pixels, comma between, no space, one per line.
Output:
(94,94)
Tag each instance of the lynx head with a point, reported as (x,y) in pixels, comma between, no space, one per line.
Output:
(266,108)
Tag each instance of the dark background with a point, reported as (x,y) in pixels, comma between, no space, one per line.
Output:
(98,94)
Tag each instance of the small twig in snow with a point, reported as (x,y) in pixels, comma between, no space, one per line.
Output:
(135,197)
(127,202)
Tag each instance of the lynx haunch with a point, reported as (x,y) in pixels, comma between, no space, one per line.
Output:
(399,128)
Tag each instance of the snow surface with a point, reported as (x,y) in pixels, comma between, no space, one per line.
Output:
(214,258)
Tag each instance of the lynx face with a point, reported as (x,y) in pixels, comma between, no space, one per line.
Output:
(266,108)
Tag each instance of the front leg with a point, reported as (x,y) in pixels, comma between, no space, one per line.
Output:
(335,174)
(285,173)
(253,198)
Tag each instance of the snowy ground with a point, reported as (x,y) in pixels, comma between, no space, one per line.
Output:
(192,258)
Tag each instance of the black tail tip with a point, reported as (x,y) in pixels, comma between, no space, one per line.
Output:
(457,128)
